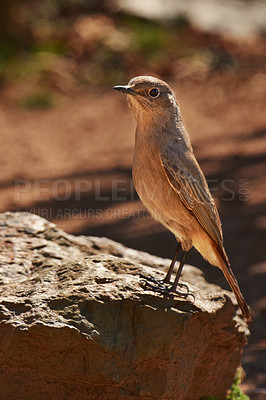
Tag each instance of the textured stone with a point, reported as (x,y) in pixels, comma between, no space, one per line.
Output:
(77,322)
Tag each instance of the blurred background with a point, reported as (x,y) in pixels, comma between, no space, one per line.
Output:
(67,138)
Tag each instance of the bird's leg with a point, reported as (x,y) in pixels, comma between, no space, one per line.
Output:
(178,274)
(167,278)
(158,286)
(170,270)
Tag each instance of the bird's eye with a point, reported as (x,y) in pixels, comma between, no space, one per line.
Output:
(154,92)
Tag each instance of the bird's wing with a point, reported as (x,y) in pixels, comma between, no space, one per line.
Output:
(188,181)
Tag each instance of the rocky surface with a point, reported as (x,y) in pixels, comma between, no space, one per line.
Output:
(78,323)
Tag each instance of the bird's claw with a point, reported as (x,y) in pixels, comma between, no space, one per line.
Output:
(149,282)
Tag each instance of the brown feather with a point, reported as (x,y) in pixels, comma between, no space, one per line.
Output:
(196,199)
(231,279)
(207,216)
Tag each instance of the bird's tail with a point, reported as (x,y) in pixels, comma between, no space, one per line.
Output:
(231,279)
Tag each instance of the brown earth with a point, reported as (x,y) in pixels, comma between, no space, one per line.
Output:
(72,165)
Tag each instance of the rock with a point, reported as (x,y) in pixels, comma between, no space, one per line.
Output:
(77,322)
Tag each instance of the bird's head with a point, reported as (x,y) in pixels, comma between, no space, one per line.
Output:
(149,98)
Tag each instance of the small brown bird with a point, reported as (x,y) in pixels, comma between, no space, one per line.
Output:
(169,180)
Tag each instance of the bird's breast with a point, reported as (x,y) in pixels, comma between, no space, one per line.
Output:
(151,182)
(147,173)
(156,193)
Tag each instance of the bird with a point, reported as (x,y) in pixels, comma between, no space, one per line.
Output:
(170,182)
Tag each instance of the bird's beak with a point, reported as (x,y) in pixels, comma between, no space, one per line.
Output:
(125,89)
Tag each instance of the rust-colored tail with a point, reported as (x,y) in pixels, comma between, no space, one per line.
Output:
(231,279)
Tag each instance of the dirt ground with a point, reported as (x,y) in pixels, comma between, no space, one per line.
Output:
(72,165)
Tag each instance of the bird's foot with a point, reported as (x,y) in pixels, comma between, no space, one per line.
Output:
(184,291)
(165,288)
(149,282)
